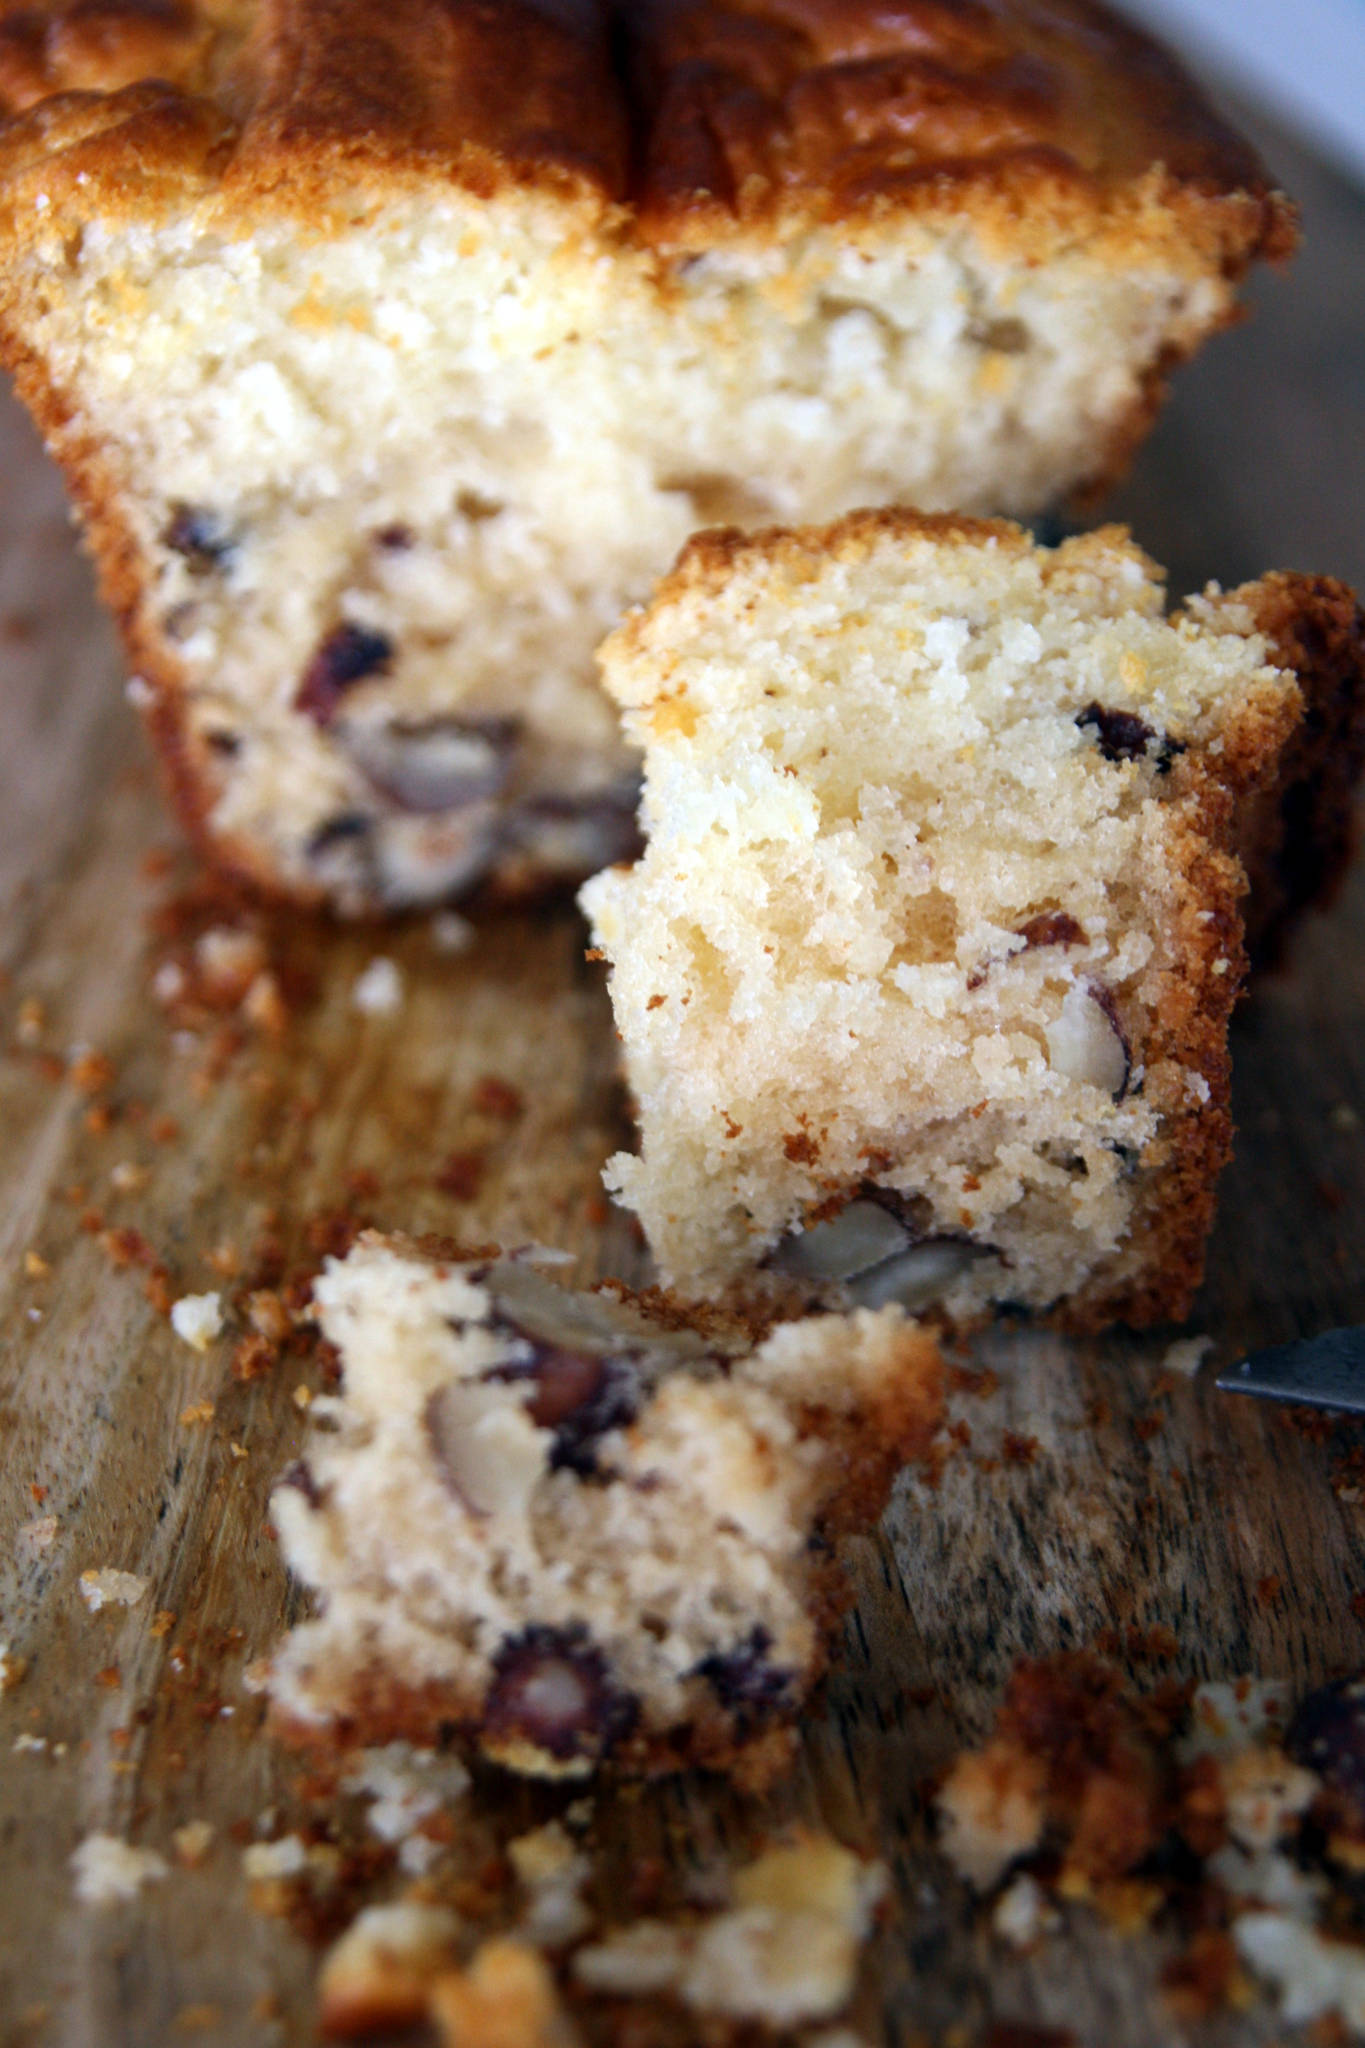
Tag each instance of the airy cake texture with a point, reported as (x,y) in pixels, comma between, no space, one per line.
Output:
(924,976)
(389,351)
(571,1526)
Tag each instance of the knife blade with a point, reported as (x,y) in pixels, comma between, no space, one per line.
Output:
(1327,1371)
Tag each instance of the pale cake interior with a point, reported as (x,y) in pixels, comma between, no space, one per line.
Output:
(645,1557)
(441,447)
(924,900)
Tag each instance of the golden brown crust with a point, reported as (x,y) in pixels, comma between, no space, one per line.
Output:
(859,103)
(100,46)
(709,560)
(526,85)
(739,116)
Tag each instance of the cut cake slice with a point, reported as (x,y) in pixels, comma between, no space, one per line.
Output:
(389,351)
(925,974)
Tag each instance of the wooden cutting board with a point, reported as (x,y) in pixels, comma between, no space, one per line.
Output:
(1145,1501)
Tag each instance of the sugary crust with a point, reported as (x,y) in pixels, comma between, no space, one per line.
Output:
(860,104)
(701,118)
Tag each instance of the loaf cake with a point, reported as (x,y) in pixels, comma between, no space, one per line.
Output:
(924,976)
(389,350)
(572,1527)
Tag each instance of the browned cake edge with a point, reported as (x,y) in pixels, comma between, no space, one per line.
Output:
(1297,842)
(1269,835)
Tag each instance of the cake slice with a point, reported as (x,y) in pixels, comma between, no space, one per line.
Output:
(389,351)
(924,976)
(573,1527)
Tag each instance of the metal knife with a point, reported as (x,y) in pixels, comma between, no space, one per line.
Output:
(1317,1372)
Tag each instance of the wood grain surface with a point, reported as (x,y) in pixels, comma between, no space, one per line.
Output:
(1149,1498)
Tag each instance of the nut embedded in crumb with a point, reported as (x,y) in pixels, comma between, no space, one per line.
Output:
(198,1319)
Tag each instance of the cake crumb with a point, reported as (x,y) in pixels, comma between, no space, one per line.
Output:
(1022,1912)
(505,1999)
(192,1842)
(406,1787)
(785,1952)
(553,1873)
(1186,1355)
(109,1870)
(107,1587)
(12,1668)
(378,992)
(1313,1974)
(376,1977)
(198,1319)
(263,1862)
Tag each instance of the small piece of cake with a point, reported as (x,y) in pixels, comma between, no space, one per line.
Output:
(389,351)
(570,1526)
(924,976)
